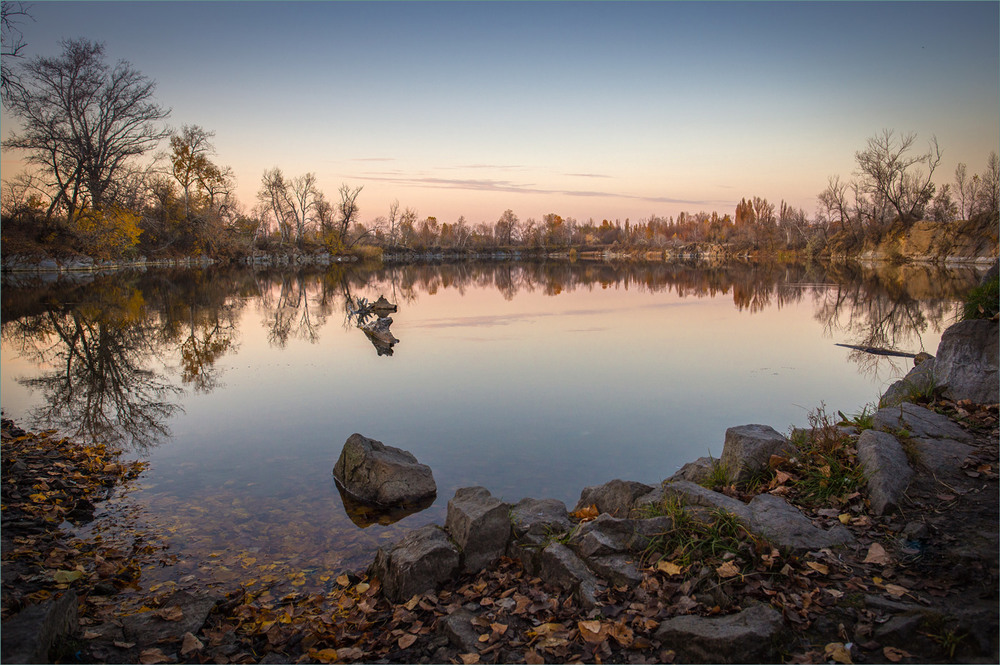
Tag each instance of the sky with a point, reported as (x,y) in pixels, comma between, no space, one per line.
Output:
(603,110)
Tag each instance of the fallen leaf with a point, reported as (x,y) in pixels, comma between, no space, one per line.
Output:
(895,655)
(586,514)
(90,635)
(622,634)
(838,652)
(485,637)
(845,518)
(470,658)
(499,628)
(728,569)
(124,645)
(361,587)
(406,641)
(325,656)
(896,591)
(532,657)
(591,631)
(172,613)
(190,644)
(153,656)
(669,567)
(820,568)
(877,555)
(343,580)
(66,576)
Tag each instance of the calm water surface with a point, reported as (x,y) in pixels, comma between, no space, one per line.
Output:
(240,388)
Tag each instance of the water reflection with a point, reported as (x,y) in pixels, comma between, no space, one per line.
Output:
(105,351)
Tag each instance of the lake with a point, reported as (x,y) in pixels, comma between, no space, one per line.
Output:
(530,379)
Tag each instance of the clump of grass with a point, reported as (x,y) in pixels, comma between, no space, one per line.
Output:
(864,419)
(719,475)
(693,540)
(983,302)
(826,464)
(910,449)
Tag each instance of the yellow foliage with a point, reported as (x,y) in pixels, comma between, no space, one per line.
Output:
(109,232)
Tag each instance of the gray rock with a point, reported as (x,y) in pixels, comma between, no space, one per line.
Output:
(620,569)
(785,526)
(480,525)
(611,535)
(748,636)
(150,627)
(458,627)
(748,449)
(558,565)
(648,502)
(967,361)
(615,497)
(921,357)
(29,635)
(538,519)
(696,495)
(416,563)
(938,442)
(885,468)
(921,380)
(383,475)
(697,471)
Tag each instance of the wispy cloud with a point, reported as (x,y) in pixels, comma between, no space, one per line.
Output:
(373,159)
(587,175)
(486,184)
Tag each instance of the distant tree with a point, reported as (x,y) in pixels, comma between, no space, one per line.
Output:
(505,227)
(347,209)
(305,195)
(968,190)
(190,149)
(888,172)
(83,121)
(944,208)
(989,191)
(275,201)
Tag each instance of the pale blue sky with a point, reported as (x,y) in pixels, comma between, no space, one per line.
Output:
(604,110)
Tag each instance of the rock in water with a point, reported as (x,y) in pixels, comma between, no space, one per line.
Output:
(375,473)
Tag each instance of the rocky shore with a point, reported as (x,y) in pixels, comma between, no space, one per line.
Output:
(869,538)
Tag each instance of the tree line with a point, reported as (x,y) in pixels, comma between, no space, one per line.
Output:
(108,178)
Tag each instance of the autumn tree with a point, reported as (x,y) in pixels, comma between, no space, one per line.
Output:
(83,121)
(190,149)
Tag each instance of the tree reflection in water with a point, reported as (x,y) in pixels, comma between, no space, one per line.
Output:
(107,347)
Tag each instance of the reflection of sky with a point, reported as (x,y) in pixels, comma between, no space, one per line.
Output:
(603,110)
(535,396)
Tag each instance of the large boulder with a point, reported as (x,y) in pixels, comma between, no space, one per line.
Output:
(966,362)
(416,563)
(29,635)
(921,380)
(479,523)
(748,449)
(885,468)
(607,535)
(614,497)
(560,566)
(745,637)
(535,523)
(936,442)
(375,473)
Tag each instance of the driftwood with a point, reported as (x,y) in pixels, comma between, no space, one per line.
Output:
(878,351)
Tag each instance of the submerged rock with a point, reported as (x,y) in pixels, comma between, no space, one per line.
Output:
(375,473)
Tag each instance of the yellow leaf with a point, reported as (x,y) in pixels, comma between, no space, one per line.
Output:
(325,655)
(728,569)
(844,518)
(818,567)
(172,613)
(669,567)
(586,514)
(39,497)
(485,637)
(343,580)
(838,652)
(362,587)
(66,576)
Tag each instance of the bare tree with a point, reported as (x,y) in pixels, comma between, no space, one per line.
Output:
(989,192)
(305,196)
(347,209)
(12,44)
(890,173)
(505,226)
(84,120)
(274,199)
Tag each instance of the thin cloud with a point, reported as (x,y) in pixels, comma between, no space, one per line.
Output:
(373,159)
(490,185)
(587,175)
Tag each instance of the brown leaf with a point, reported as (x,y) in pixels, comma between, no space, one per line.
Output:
(622,634)
(818,567)
(896,591)
(838,652)
(728,569)
(532,657)
(895,655)
(469,658)
(586,514)
(669,567)
(877,555)
(152,656)
(172,613)
(343,580)
(499,628)
(124,645)
(325,655)
(591,631)
(406,641)
(190,644)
